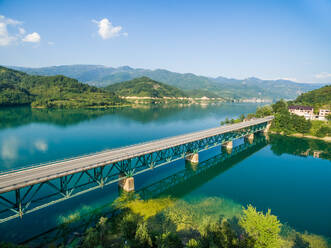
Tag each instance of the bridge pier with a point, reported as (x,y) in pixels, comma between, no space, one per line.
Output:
(228,146)
(266,130)
(193,158)
(126,184)
(249,138)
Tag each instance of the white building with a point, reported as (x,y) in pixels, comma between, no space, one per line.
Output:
(307,112)
(323,113)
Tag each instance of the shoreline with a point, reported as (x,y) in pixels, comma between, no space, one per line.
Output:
(299,135)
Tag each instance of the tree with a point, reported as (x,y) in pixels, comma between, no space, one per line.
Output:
(300,124)
(299,242)
(142,237)
(219,234)
(169,240)
(192,243)
(91,239)
(328,117)
(279,107)
(264,229)
(323,131)
(264,111)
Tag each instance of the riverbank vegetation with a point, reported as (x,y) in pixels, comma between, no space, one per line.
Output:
(18,88)
(211,222)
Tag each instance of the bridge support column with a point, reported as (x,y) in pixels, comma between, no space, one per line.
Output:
(266,130)
(126,184)
(228,146)
(193,158)
(250,138)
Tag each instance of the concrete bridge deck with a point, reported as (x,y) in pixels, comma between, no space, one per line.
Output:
(13,180)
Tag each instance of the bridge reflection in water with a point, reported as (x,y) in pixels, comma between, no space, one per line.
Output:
(195,175)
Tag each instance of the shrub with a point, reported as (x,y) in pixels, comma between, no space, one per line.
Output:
(169,240)
(192,243)
(323,131)
(264,229)
(142,236)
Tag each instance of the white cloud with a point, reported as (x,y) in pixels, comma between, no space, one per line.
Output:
(9,149)
(6,38)
(41,145)
(33,37)
(9,21)
(323,75)
(51,43)
(21,31)
(107,30)
(290,79)
(16,32)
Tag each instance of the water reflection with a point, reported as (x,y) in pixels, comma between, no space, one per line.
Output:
(18,116)
(31,136)
(300,146)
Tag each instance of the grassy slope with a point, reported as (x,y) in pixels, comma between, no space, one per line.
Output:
(17,88)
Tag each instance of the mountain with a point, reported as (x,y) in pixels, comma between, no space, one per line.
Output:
(227,88)
(18,88)
(317,98)
(145,87)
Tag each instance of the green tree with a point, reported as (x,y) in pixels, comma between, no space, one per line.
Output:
(192,243)
(279,107)
(142,236)
(264,111)
(242,117)
(91,239)
(300,124)
(169,240)
(323,131)
(102,228)
(264,229)
(128,226)
(299,242)
(328,117)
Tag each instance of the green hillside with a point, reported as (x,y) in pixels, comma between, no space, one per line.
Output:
(18,88)
(227,88)
(145,87)
(316,98)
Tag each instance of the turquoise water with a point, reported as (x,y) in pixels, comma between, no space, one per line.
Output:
(280,174)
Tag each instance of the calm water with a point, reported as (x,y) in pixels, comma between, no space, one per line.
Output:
(281,174)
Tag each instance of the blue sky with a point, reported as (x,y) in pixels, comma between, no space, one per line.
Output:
(239,39)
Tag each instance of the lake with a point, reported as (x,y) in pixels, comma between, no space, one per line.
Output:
(290,176)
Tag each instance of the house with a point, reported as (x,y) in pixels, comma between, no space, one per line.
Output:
(323,113)
(307,112)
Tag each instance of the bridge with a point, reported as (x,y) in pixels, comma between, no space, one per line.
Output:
(24,191)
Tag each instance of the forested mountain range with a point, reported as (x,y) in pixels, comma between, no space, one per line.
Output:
(19,88)
(195,85)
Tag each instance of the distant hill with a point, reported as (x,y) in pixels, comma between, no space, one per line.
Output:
(317,98)
(145,87)
(102,76)
(18,88)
